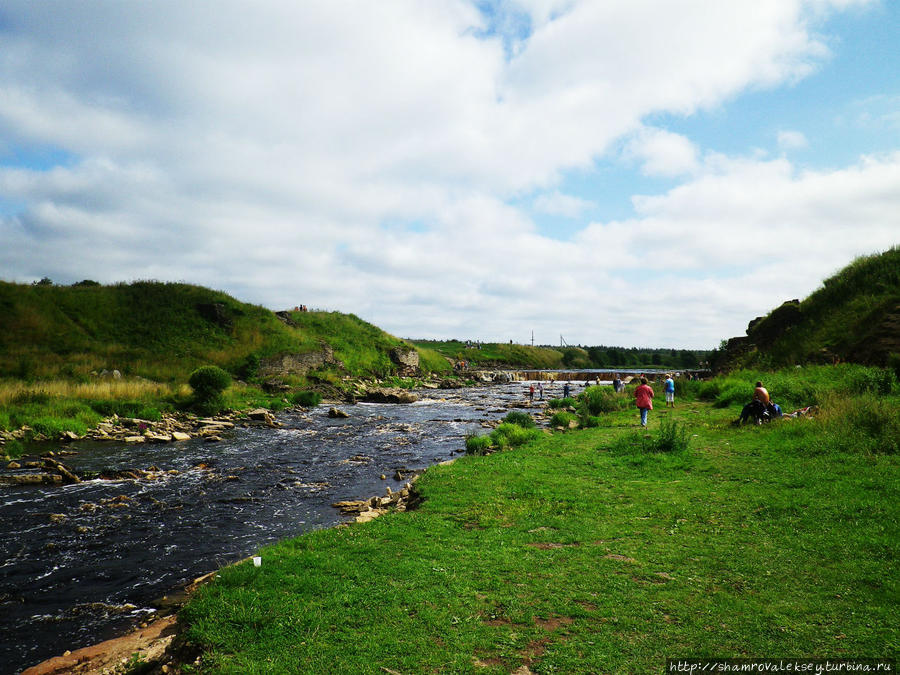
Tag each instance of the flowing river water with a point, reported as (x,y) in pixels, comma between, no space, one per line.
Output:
(85,562)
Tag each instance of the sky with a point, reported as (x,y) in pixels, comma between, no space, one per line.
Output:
(619,172)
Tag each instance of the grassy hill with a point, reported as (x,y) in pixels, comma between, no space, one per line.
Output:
(163,331)
(491,354)
(854,317)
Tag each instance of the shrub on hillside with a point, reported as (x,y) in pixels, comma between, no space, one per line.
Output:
(209,381)
(208,384)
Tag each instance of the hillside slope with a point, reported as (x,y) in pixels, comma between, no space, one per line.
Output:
(163,331)
(854,317)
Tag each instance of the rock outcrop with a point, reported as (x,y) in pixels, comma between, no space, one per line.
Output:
(297,364)
(407,361)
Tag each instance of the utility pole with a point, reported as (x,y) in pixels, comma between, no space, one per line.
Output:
(532,337)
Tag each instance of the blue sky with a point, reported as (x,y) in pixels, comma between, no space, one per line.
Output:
(632,172)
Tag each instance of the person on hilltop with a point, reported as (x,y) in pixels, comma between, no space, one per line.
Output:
(670,391)
(643,398)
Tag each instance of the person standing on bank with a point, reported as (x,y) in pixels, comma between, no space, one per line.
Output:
(643,397)
(670,391)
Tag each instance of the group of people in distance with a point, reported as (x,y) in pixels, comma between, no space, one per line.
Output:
(761,408)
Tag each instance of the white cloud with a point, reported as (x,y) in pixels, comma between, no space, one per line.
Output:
(559,204)
(662,153)
(280,153)
(792,140)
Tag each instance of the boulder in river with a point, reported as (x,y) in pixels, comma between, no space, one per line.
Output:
(389,395)
(334,413)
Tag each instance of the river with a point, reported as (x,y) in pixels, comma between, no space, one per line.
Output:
(85,562)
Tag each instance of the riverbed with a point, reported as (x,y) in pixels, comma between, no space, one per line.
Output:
(85,562)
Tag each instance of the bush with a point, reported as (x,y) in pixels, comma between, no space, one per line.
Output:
(478,445)
(671,436)
(733,393)
(567,402)
(562,419)
(596,400)
(512,435)
(249,367)
(307,399)
(209,381)
(522,419)
(505,436)
(209,406)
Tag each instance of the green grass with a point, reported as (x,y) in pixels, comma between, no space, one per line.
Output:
(579,553)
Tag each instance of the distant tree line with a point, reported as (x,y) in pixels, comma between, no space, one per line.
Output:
(615,357)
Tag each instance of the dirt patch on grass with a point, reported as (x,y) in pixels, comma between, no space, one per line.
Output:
(554,623)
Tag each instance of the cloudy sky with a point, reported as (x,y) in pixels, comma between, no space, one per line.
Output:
(620,172)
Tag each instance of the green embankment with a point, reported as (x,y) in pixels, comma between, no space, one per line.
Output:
(55,339)
(588,552)
(163,331)
(854,317)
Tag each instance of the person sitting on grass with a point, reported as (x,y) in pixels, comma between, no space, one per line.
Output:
(758,408)
(643,398)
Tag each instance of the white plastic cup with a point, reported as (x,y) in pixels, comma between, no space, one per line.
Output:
(257,561)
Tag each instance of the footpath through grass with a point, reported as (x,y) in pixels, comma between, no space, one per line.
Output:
(582,552)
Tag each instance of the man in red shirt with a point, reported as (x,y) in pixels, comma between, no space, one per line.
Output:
(643,397)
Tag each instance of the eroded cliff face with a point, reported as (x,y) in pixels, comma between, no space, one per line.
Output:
(407,361)
(297,364)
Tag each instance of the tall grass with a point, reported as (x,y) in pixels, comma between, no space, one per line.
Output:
(793,387)
(10,391)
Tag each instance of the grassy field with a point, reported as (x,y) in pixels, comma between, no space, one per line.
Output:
(591,551)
